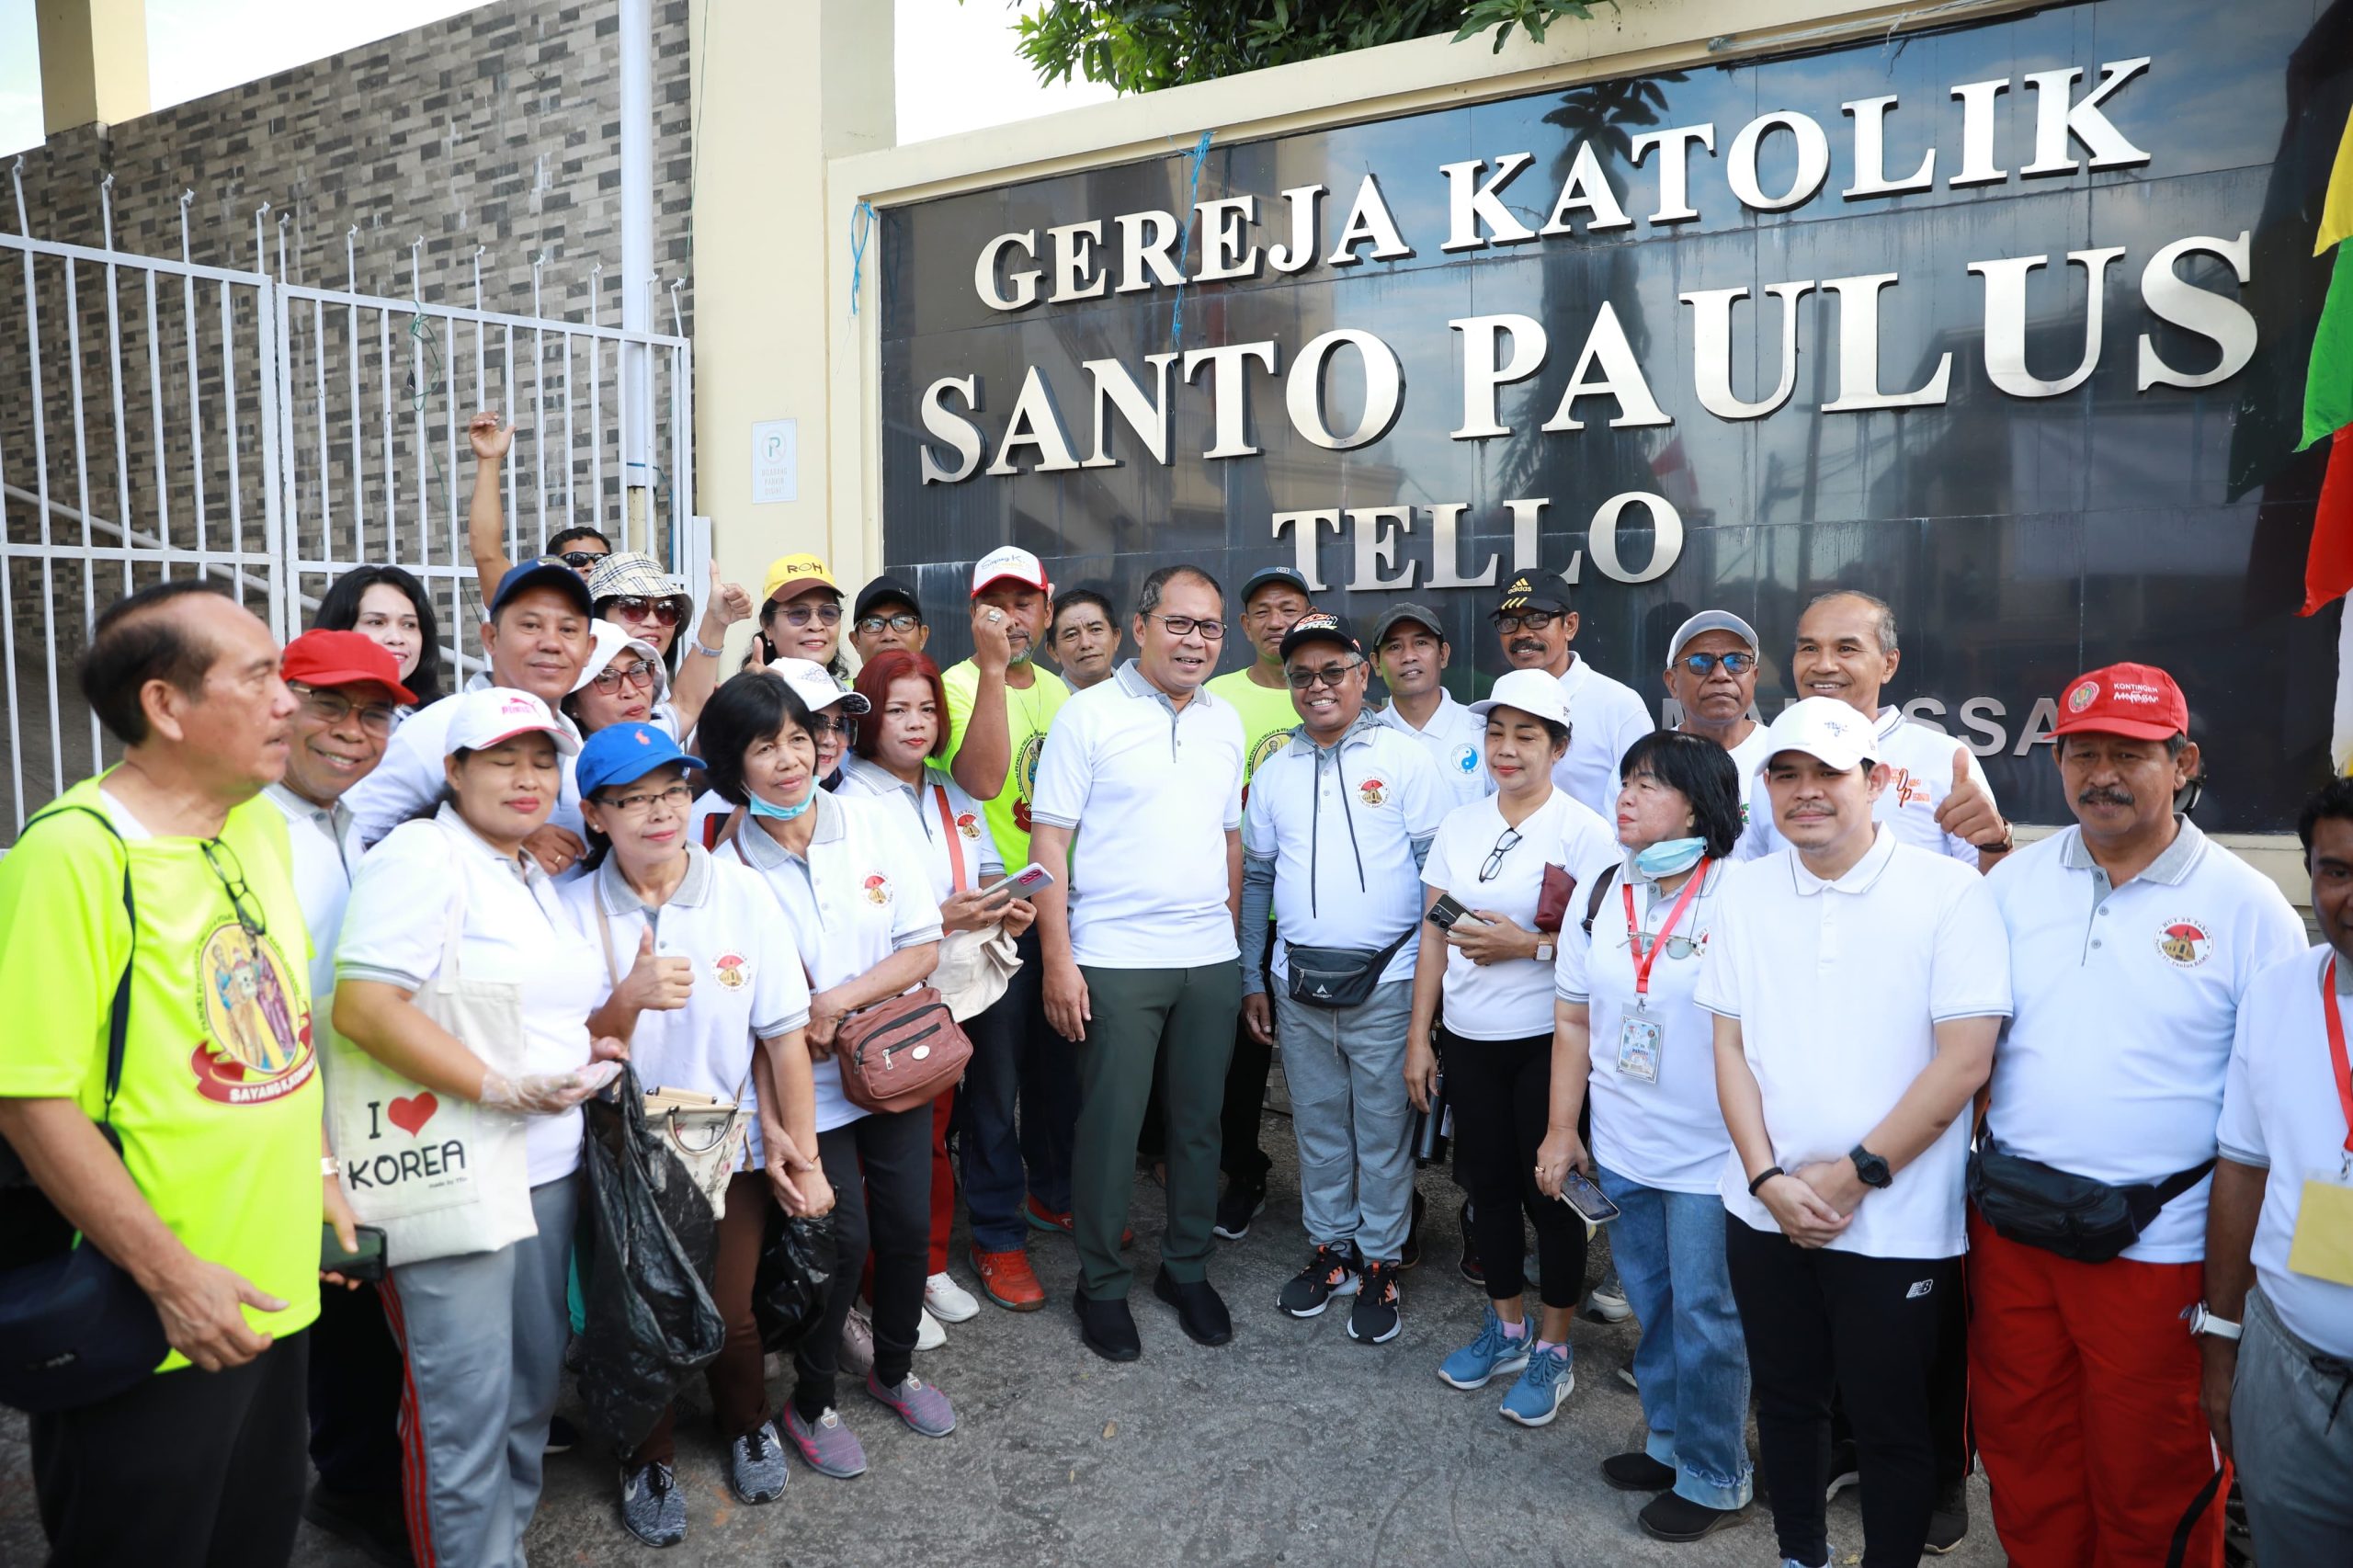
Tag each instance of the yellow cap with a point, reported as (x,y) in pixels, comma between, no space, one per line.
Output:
(796,573)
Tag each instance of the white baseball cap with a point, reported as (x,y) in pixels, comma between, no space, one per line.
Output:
(815,688)
(607,640)
(1710,620)
(1010,561)
(1530,691)
(1824,728)
(483,719)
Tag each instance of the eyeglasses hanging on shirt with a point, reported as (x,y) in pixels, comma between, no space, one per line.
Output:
(1494,864)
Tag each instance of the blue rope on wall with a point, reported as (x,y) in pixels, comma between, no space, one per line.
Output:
(861,227)
(1199,156)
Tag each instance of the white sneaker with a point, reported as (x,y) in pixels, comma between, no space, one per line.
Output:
(929,1335)
(947,1300)
(1607,1301)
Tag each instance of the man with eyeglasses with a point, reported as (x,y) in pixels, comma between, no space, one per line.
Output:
(1143,775)
(886,617)
(1712,675)
(155,898)
(347,693)
(1083,637)
(578,548)
(1536,625)
(1333,842)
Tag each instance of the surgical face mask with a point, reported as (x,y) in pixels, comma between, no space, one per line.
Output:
(760,808)
(1669,856)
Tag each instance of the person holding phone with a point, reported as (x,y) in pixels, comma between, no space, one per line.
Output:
(1624,1024)
(895,760)
(1493,973)
(705,983)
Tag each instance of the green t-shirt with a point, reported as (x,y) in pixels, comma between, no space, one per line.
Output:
(1267,717)
(220,1105)
(1028,715)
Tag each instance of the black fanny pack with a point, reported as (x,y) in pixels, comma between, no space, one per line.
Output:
(2076,1217)
(1338,977)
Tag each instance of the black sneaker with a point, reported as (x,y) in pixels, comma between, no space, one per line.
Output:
(563,1436)
(1637,1471)
(1412,1257)
(376,1526)
(1671,1517)
(1950,1523)
(1238,1206)
(1373,1320)
(1473,1269)
(1333,1271)
(1845,1471)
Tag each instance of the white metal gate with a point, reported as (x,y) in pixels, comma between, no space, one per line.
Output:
(160,418)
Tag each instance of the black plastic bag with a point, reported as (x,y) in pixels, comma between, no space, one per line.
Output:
(788,1288)
(647,1247)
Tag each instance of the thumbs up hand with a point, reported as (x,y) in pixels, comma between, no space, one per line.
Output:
(727,602)
(1968,812)
(657,984)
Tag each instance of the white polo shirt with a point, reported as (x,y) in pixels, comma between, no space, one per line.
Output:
(1151,790)
(1339,827)
(2281,1113)
(2127,1000)
(1920,760)
(862,894)
(1668,1133)
(1837,988)
(1746,759)
(917,814)
(515,933)
(747,981)
(1605,718)
(1456,741)
(411,778)
(1511,999)
(325,845)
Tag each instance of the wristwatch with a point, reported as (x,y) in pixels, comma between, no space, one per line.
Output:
(2202,1321)
(1871,1167)
(1543,947)
(2007,842)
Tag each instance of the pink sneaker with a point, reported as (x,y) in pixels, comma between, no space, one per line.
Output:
(916,1403)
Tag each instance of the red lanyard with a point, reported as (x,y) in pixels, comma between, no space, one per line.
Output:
(2328,1010)
(1642,960)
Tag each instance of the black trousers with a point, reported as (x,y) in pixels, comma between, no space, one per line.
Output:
(187,1469)
(1815,1318)
(879,1168)
(355,1395)
(1501,1091)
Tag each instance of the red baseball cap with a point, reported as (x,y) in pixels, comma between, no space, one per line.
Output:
(2140,702)
(342,658)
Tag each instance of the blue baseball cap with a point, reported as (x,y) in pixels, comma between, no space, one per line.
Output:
(545,572)
(623,754)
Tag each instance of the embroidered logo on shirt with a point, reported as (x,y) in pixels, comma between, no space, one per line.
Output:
(967,824)
(254,1049)
(2083,697)
(877,889)
(2183,943)
(732,970)
(1919,1289)
(1466,759)
(1372,791)
(1908,790)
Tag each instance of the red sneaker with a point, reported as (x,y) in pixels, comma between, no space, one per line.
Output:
(1008,1280)
(1041,1217)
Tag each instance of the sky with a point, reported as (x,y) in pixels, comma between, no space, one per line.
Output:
(956,65)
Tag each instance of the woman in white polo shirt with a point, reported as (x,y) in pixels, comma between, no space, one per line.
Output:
(1494,975)
(706,986)
(858,900)
(1625,1023)
(483,1333)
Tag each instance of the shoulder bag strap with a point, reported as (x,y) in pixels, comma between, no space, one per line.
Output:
(119,1016)
(1593,900)
(955,845)
(605,936)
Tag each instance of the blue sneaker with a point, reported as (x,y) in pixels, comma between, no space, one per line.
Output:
(1491,1354)
(1543,1383)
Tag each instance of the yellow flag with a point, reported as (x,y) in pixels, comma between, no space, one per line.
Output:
(2337,208)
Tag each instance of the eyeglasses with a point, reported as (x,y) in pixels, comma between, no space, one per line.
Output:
(902,623)
(1186,626)
(677,797)
(801,615)
(232,879)
(662,612)
(1330,675)
(1704,665)
(823,724)
(1676,947)
(1495,862)
(1509,621)
(637,672)
(332,708)
(581,559)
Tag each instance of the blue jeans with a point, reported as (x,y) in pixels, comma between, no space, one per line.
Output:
(1346,1068)
(1692,1362)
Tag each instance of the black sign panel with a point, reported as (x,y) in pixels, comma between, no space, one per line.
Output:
(2007,324)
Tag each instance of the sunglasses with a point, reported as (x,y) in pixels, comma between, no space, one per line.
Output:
(1676,947)
(1330,675)
(332,710)
(1509,621)
(637,672)
(902,623)
(1494,861)
(1704,665)
(823,724)
(801,615)
(662,612)
(581,559)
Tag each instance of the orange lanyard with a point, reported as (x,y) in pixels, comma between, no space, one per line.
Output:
(2328,1011)
(1642,960)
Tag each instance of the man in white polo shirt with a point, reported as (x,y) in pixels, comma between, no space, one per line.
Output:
(1338,823)
(2133,939)
(2276,1328)
(1414,654)
(1536,625)
(1857,984)
(1143,772)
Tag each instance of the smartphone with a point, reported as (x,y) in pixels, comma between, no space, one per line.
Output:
(368,1263)
(1446,911)
(1026,883)
(1587,1199)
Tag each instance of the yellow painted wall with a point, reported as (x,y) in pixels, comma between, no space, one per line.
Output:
(93,61)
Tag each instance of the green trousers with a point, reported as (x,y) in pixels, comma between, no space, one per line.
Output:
(1181,1019)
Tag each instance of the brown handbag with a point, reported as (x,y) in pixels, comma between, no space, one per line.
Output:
(901,1054)
(1552,898)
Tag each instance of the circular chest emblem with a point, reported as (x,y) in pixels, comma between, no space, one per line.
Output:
(967,824)
(255,1047)
(1372,791)
(877,889)
(2083,697)
(1267,746)
(732,971)
(2183,943)
(1025,767)
(1466,759)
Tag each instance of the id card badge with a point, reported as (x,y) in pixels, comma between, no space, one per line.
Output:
(1638,1041)
(2322,1247)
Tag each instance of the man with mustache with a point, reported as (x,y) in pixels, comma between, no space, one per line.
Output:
(2133,939)
(1536,625)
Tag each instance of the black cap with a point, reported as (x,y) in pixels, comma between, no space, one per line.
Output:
(547,572)
(1318,626)
(1420,614)
(1284,574)
(1535,590)
(884,590)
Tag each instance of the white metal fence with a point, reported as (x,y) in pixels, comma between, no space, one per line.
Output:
(160,418)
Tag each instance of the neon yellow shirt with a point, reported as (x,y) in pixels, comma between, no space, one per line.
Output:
(220,1107)
(1027,716)
(1267,718)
